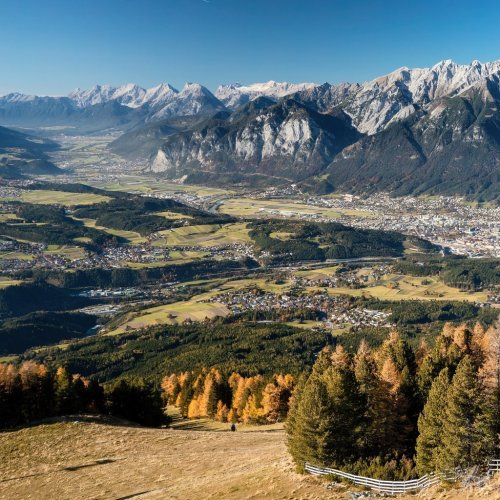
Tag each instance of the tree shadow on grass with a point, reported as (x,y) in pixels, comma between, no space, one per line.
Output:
(71,468)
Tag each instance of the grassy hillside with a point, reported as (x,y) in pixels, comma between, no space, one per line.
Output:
(110,459)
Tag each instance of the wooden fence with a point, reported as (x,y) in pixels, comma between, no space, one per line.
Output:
(494,466)
(393,486)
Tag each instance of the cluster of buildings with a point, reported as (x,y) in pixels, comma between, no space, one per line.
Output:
(448,221)
(358,318)
(333,311)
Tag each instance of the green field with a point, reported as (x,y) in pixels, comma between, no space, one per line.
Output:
(133,237)
(15,255)
(70,252)
(205,235)
(172,314)
(62,198)
(150,185)
(403,287)
(5,282)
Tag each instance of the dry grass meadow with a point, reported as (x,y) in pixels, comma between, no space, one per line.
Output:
(92,459)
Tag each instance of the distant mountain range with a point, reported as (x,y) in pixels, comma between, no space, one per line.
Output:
(105,107)
(431,130)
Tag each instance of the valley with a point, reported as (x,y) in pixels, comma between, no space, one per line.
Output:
(318,265)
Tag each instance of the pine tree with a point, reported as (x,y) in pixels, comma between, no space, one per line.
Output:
(467,437)
(294,406)
(311,437)
(430,424)
(325,426)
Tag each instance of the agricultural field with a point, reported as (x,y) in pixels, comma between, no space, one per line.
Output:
(247,207)
(150,185)
(205,235)
(62,198)
(6,216)
(403,287)
(15,255)
(172,314)
(70,252)
(5,282)
(132,237)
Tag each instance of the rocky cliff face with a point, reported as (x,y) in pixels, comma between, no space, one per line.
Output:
(285,140)
(452,146)
(376,104)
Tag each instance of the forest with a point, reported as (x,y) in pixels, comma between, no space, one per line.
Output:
(126,276)
(465,274)
(43,328)
(137,213)
(321,241)
(249,349)
(395,412)
(32,391)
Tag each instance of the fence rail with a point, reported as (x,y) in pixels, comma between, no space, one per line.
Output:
(393,486)
(494,466)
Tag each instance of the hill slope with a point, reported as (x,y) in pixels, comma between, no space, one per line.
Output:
(109,459)
(24,154)
(451,148)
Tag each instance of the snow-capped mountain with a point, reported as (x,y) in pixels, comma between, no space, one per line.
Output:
(235,95)
(433,129)
(129,95)
(193,99)
(376,104)
(105,106)
(162,101)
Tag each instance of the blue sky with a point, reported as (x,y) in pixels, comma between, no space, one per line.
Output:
(53,46)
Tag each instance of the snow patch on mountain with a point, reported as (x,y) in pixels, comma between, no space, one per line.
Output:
(235,95)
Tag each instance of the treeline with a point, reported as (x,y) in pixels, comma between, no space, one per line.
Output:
(74,188)
(321,241)
(459,272)
(32,392)
(372,412)
(250,400)
(126,277)
(137,213)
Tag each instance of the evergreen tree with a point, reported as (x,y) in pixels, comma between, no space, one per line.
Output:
(311,438)
(326,424)
(490,377)
(380,425)
(294,406)
(467,436)
(430,424)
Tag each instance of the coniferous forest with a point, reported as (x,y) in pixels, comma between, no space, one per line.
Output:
(395,412)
